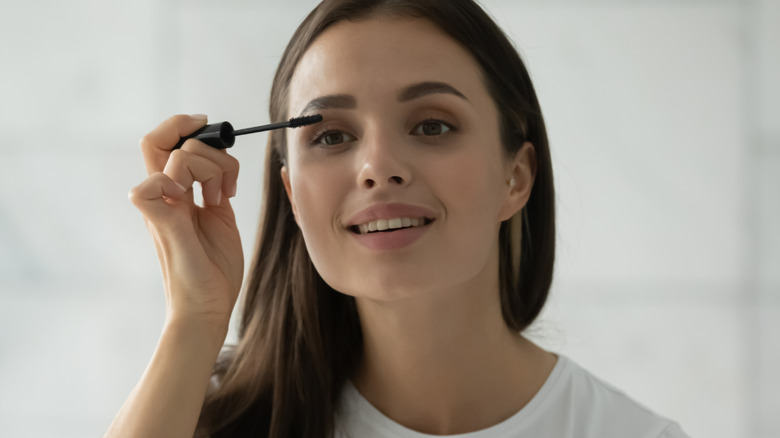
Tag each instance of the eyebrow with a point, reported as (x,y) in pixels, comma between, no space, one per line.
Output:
(339,101)
(348,101)
(417,91)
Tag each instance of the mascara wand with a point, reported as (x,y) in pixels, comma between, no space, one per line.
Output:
(222,135)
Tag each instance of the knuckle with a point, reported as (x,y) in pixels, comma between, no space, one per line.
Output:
(213,181)
(133,194)
(177,156)
(145,142)
(157,177)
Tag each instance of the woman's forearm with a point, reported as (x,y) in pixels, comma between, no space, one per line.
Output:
(167,400)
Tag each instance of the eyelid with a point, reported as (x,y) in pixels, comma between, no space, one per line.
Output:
(316,138)
(450,126)
(334,120)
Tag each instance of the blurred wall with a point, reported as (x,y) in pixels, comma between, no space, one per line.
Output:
(663,123)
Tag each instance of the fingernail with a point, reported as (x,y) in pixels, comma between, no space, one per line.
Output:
(181,187)
(233,191)
(219,197)
(199,117)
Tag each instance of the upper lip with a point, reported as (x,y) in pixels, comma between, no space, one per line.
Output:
(389,211)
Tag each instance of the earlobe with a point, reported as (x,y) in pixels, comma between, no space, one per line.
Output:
(288,189)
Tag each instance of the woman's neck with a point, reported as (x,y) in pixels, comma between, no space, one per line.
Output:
(447,363)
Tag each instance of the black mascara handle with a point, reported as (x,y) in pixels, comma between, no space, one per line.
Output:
(217,135)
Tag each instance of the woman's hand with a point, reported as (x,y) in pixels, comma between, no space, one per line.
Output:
(198,247)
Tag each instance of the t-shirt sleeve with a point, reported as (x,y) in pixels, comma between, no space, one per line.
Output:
(673,431)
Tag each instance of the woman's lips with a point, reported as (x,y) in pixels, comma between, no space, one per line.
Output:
(391,239)
(388,211)
(390,225)
(381,225)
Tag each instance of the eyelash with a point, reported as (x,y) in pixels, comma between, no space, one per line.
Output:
(449,127)
(322,133)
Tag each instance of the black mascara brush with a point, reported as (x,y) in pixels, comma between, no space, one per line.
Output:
(222,135)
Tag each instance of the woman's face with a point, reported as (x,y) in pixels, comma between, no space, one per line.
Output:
(410,139)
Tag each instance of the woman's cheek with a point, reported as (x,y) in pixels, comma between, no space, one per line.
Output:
(318,200)
(461,180)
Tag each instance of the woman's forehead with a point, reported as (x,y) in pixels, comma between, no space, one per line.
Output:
(380,57)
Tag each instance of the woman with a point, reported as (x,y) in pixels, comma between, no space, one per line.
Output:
(406,242)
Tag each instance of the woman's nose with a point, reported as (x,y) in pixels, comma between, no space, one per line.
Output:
(383,163)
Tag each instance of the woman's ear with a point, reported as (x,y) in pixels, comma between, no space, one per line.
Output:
(288,188)
(520,180)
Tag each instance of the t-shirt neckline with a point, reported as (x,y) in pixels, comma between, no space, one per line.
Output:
(361,407)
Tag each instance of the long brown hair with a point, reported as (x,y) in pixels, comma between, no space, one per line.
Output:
(300,340)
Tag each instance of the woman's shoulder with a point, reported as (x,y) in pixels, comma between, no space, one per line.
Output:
(590,404)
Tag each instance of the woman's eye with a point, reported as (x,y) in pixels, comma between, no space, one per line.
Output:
(332,138)
(431,127)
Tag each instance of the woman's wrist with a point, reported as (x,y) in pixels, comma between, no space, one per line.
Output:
(208,330)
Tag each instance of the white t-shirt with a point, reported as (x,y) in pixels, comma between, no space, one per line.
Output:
(571,403)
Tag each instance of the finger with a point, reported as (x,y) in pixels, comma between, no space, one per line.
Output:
(225,161)
(169,221)
(157,144)
(185,168)
(150,197)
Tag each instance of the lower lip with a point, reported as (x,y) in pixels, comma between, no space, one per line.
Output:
(384,241)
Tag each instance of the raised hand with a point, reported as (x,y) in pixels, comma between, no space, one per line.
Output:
(198,247)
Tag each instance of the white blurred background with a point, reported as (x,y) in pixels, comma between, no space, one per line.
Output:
(663,118)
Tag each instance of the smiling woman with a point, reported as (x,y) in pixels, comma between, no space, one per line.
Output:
(406,242)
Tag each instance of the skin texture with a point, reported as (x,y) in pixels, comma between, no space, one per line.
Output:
(198,246)
(439,358)
(202,265)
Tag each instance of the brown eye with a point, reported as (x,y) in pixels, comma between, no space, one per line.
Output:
(431,128)
(332,138)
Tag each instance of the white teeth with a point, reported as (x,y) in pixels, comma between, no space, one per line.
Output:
(387,224)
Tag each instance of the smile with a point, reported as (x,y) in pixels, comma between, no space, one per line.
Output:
(390,224)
